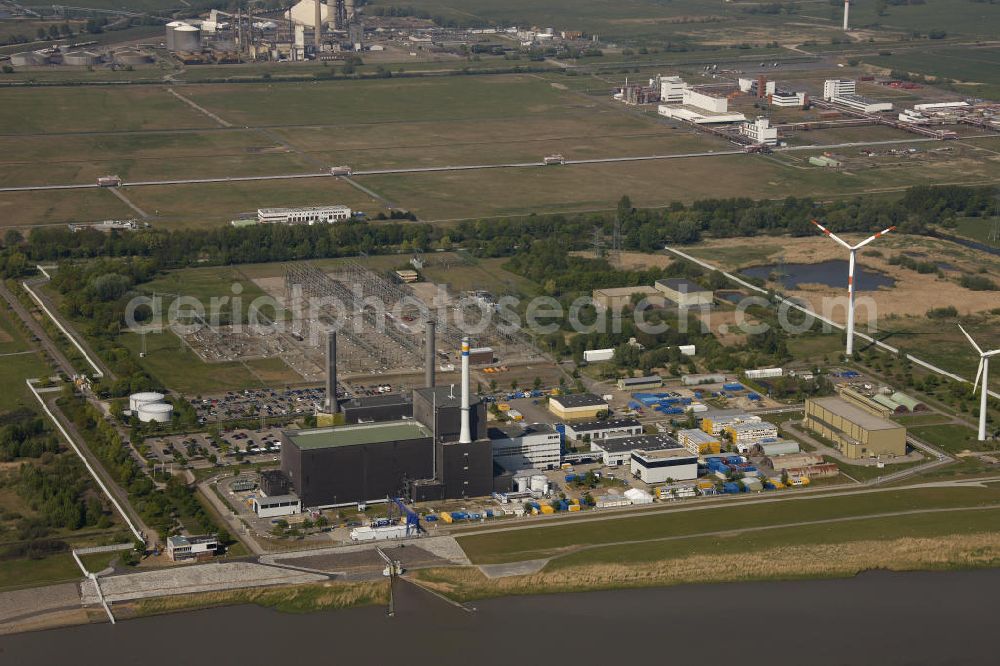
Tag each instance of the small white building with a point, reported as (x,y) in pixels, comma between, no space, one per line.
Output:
(654,467)
(535,446)
(598,430)
(279,505)
(181,548)
(763,373)
(788,99)
(760,132)
(833,88)
(306,215)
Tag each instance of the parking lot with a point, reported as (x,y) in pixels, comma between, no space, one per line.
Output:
(273,402)
(200,450)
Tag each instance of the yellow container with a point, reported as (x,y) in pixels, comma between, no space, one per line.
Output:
(445,517)
(574,507)
(547,509)
(503,406)
(574,501)
(705,485)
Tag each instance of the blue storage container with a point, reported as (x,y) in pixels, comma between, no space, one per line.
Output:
(430,518)
(698,394)
(570,477)
(489,513)
(731,488)
(733,386)
(753,396)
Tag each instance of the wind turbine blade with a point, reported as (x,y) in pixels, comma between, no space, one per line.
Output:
(971,340)
(869,240)
(831,234)
(979,373)
(990,354)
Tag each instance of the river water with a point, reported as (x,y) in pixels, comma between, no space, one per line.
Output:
(877,618)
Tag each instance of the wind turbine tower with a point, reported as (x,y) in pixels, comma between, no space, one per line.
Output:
(984,372)
(851,284)
(847,8)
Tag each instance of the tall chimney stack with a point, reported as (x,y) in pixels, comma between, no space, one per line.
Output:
(319,27)
(465,437)
(847,7)
(430,328)
(331,372)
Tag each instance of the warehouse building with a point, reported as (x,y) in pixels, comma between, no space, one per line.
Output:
(598,355)
(698,441)
(856,433)
(516,447)
(640,383)
(577,406)
(793,460)
(664,465)
(684,293)
(307,215)
(595,430)
(618,450)
(781,447)
(619,298)
(861,104)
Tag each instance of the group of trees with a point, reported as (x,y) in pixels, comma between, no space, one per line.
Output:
(23,435)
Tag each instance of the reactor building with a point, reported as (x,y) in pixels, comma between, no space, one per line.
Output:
(431,445)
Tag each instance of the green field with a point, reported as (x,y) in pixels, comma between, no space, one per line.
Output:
(524,544)
(978,228)
(19,574)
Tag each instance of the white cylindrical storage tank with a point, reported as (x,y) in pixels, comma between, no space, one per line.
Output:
(187,38)
(155,411)
(521,483)
(170,33)
(137,400)
(538,482)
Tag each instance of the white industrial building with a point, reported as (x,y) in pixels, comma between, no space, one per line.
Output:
(764,373)
(698,117)
(788,99)
(279,505)
(598,355)
(705,101)
(862,104)
(940,106)
(618,450)
(598,430)
(672,89)
(760,132)
(664,465)
(833,88)
(715,425)
(307,215)
(535,446)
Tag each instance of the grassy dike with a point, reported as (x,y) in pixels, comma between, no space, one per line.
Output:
(840,560)
(285,598)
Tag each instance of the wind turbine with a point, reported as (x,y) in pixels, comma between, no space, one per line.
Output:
(984,371)
(850,277)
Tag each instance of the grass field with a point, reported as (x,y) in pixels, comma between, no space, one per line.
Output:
(19,574)
(566,537)
(978,229)
(205,284)
(950,437)
(95,109)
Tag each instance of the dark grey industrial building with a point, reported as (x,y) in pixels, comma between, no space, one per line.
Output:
(374,408)
(448,403)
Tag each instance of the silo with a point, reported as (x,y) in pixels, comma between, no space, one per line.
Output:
(187,38)
(170,33)
(155,411)
(539,482)
(521,483)
(137,400)
(80,58)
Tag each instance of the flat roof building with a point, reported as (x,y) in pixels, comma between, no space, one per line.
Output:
(617,299)
(577,406)
(698,441)
(640,383)
(279,505)
(618,450)
(760,132)
(595,430)
(664,465)
(862,104)
(684,292)
(181,547)
(857,433)
(305,215)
